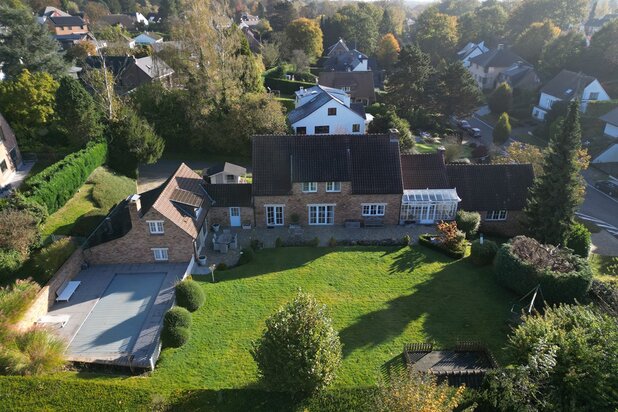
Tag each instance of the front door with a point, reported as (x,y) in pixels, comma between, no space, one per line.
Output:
(234,216)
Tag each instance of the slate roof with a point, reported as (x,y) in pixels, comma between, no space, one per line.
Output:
(567,84)
(323,95)
(360,83)
(153,68)
(122,19)
(115,225)
(499,57)
(346,61)
(66,20)
(370,162)
(491,187)
(230,195)
(340,43)
(611,117)
(517,74)
(424,171)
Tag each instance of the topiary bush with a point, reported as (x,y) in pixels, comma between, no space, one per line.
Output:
(578,240)
(483,253)
(174,337)
(406,240)
(177,317)
(189,295)
(315,242)
(468,222)
(246,256)
(432,242)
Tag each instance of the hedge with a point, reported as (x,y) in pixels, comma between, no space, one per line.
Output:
(56,184)
(521,277)
(177,317)
(189,295)
(483,253)
(425,240)
(288,87)
(579,240)
(174,336)
(468,222)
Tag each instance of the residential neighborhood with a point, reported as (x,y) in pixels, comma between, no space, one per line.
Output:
(309,205)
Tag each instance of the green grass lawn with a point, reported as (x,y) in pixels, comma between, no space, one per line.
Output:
(604,267)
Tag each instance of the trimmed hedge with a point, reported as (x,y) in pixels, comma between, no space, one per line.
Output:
(521,277)
(468,222)
(177,317)
(285,86)
(483,254)
(579,240)
(425,240)
(174,336)
(189,295)
(55,185)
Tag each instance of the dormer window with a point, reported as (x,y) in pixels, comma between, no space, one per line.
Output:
(156,227)
(310,187)
(332,111)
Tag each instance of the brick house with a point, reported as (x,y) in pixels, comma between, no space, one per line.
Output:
(231,204)
(165,224)
(10,157)
(326,180)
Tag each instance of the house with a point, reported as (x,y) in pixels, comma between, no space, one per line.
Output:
(326,180)
(520,76)
(10,156)
(485,68)
(147,39)
(470,51)
(324,110)
(153,17)
(131,72)
(249,20)
(231,205)
(50,11)
(567,86)
(359,85)
(611,123)
(130,21)
(608,160)
(68,30)
(337,49)
(351,61)
(225,173)
(165,224)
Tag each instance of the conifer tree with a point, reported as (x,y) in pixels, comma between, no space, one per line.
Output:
(502,131)
(78,115)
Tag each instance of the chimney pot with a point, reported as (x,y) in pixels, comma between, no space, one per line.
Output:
(393,135)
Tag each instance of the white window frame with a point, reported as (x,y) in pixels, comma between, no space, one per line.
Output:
(160,254)
(346,88)
(496,215)
(155,227)
(309,187)
(356,126)
(275,222)
(373,209)
(327,221)
(333,187)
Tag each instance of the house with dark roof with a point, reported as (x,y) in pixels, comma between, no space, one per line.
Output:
(165,224)
(337,49)
(10,156)
(568,86)
(359,85)
(130,21)
(340,58)
(486,67)
(225,173)
(470,51)
(520,76)
(48,12)
(147,39)
(611,123)
(68,30)
(325,110)
(231,205)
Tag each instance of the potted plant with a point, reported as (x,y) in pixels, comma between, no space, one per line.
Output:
(246,225)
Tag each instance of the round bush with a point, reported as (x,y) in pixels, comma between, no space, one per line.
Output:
(483,254)
(246,256)
(189,295)
(174,337)
(468,222)
(579,240)
(177,317)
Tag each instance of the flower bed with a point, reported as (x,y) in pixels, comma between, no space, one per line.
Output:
(433,242)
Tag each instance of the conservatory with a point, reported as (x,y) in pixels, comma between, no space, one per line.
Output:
(426,206)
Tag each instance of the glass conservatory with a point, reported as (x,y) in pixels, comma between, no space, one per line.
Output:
(426,206)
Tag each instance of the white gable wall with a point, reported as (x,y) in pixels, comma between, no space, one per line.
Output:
(362,67)
(608,156)
(340,124)
(593,88)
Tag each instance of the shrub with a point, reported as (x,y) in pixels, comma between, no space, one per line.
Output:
(299,350)
(255,244)
(222,266)
(483,253)
(278,242)
(189,295)
(450,237)
(44,262)
(578,240)
(177,317)
(480,151)
(174,337)
(34,352)
(315,242)
(10,260)
(406,240)
(468,222)
(16,298)
(332,242)
(426,240)
(524,263)
(246,256)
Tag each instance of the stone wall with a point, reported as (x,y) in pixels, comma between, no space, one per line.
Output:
(348,206)
(221,215)
(47,295)
(512,226)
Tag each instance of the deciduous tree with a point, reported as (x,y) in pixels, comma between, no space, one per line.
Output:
(388,50)
(531,42)
(306,35)
(281,14)
(564,52)
(436,33)
(487,23)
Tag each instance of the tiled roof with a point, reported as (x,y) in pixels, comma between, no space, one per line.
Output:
(370,162)
(226,167)
(567,85)
(491,187)
(499,57)
(611,117)
(360,82)
(230,195)
(424,171)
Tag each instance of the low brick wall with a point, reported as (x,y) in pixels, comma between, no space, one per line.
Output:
(47,295)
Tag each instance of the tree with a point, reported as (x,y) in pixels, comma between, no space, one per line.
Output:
(458,7)
(81,51)
(383,122)
(306,35)
(300,61)
(281,14)
(531,42)
(436,33)
(270,54)
(602,56)
(487,23)
(27,45)
(556,194)
(131,142)
(18,231)
(360,25)
(564,52)
(78,115)
(95,10)
(522,153)
(392,19)
(405,86)
(299,350)
(387,50)
(458,93)
(564,13)
(502,131)
(501,100)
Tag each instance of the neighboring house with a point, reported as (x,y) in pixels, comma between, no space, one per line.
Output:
(231,205)
(337,49)
(486,67)
(68,30)
(130,21)
(326,180)
(520,76)
(608,160)
(50,11)
(359,85)
(470,51)
(153,17)
(324,110)
(131,72)
(166,224)
(10,156)
(611,123)
(147,39)
(252,38)
(249,20)
(567,86)
(225,173)
(351,61)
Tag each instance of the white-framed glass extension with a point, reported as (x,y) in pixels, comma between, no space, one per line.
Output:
(427,206)
(321,214)
(274,215)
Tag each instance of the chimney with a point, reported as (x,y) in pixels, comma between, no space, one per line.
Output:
(442,152)
(393,135)
(135,207)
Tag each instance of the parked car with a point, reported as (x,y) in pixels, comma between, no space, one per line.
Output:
(463,124)
(474,132)
(607,186)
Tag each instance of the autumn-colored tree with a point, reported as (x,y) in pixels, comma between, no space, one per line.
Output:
(18,231)
(388,50)
(81,50)
(306,35)
(531,42)
(450,236)
(436,33)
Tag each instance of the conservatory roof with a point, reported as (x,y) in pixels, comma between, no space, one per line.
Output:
(430,195)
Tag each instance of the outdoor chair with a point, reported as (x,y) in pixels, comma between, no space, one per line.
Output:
(215,245)
(234,244)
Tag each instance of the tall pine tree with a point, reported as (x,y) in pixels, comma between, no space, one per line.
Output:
(556,194)
(78,114)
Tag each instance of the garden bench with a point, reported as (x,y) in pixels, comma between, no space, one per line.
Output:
(374,222)
(352,224)
(66,290)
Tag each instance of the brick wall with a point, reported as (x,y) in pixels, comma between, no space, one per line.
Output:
(512,226)
(347,205)
(221,215)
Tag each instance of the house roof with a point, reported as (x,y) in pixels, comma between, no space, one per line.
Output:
(498,57)
(9,141)
(66,20)
(345,61)
(611,117)
(517,73)
(50,10)
(567,84)
(230,195)
(323,95)
(370,162)
(153,68)
(151,35)
(122,19)
(424,171)
(226,167)
(115,225)
(340,43)
(491,187)
(361,83)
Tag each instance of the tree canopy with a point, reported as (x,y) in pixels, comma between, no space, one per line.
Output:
(436,33)
(502,131)
(531,42)
(387,50)
(78,115)
(306,35)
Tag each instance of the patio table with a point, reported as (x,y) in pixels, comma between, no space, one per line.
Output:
(224,239)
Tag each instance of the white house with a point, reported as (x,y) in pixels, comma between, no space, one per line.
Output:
(486,67)
(147,39)
(470,51)
(340,58)
(608,156)
(567,86)
(324,110)
(611,123)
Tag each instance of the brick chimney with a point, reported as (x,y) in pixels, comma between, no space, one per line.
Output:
(441,153)
(135,207)
(393,135)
